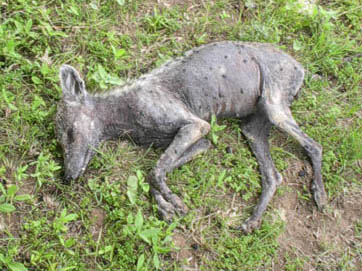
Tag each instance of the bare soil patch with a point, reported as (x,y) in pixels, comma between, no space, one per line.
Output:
(186,251)
(97,216)
(321,237)
(319,240)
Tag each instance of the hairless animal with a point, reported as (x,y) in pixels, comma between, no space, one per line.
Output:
(171,106)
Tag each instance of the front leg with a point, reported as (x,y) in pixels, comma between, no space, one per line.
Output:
(186,144)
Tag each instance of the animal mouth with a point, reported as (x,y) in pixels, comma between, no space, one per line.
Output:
(74,173)
(88,156)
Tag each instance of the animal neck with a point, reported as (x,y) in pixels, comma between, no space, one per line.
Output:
(115,116)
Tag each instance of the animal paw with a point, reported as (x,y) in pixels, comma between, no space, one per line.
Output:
(320,198)
(179,206)
(170,206)
(166,212)
(250,225)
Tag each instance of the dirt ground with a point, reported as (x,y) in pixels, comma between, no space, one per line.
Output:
(320,239)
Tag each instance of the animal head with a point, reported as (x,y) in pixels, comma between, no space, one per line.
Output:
(77,126)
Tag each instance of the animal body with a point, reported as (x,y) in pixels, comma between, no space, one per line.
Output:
(170,107)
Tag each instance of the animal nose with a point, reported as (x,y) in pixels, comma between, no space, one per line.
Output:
(67,178)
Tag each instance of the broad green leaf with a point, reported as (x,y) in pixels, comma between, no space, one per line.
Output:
(12,190)
(19,26)
(6,208)
(36,80)
(132,184)
(23,197)
(140,262)
(148,234)
(139,220)
(71,252)
(118,52)
(70,242)
(105,250)
(3,259)
(71,217)
(45,69)
(16,266)
(132,197)
(139,175)
(156,261)
(102,72)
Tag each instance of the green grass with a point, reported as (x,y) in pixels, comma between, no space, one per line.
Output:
(107,220)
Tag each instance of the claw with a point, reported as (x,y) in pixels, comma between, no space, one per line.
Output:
(166,215)
(168,211)
(179,206)
(170,206)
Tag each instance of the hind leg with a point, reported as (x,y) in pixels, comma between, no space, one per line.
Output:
(281,117)
(256,130)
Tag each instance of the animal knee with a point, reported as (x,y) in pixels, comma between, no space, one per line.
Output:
(204,127)
(270,187)
(269,182)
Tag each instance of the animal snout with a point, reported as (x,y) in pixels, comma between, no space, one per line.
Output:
(67,178)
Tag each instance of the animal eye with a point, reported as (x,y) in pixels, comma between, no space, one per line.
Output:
(70,136)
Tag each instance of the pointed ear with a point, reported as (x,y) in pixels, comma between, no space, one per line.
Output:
(73,86)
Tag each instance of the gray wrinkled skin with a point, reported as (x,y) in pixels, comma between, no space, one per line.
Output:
(171,106)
